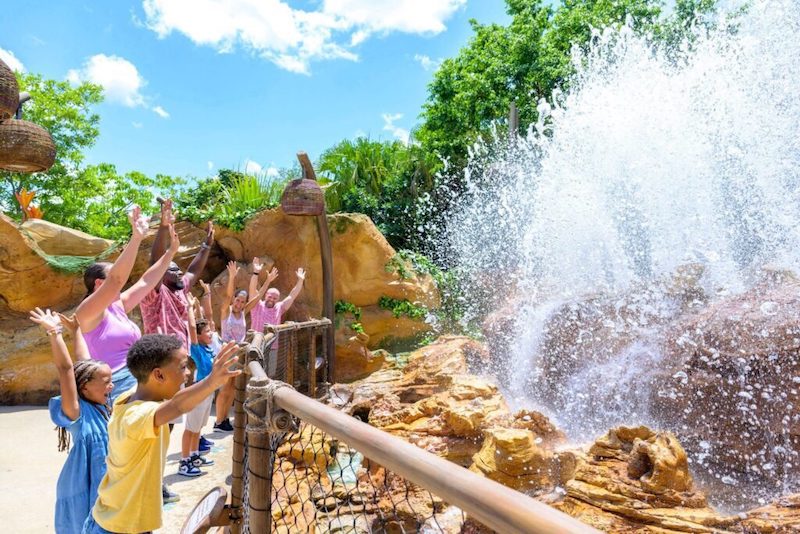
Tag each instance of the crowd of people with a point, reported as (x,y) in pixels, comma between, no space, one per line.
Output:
(124,391)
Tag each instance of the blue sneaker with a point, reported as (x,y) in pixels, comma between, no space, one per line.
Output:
(205,445)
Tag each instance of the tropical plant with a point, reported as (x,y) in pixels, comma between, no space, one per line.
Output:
(93,198)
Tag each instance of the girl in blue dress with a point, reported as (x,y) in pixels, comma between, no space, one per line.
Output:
(80,412)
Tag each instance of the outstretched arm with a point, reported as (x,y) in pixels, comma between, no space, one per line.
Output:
(164,231)
(191,320)
(188,398)
(51,324)
(298,287)
(273,274)
(233,270)
(79,346)
(132,296)
(91,310)
(205,302)
(200,259)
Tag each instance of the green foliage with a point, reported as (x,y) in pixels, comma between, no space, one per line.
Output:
(524,62)
(230,198)
(342,308)
(383,180)
(94,198)
(403,307)
(399,264)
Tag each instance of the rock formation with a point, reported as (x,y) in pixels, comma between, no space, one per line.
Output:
(361,255)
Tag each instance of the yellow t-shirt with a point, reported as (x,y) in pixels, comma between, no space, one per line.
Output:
(129,497)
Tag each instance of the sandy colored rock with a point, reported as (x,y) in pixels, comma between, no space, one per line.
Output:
(27,281)
(353,359)
(62,241)
(360,258)
(782,516)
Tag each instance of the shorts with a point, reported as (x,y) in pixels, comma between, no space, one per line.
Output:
(123,381)
(198,417)
(90,526)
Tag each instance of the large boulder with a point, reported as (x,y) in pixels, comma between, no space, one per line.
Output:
(59,240)
(362,273)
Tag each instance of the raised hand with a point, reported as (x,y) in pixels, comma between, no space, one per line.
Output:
(71,323)
(301,274)
(205,287)
(166,213)
(209,234)
(46,319)
(220,370)
(233,269)
(257,266)
(139,223)
(174,241)
(272,275)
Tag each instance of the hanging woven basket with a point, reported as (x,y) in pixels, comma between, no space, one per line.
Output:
(303,197)
(9,92)
(25,147)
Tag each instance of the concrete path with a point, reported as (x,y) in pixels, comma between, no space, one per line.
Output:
(30,464)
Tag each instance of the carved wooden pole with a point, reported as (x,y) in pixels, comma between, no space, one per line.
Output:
(237,477)
(326,254)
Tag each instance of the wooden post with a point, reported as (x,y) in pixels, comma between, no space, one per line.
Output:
(326,255)
(237,475)
(259,464)
(312,362)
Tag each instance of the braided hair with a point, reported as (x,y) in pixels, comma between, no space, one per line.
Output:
(84,371)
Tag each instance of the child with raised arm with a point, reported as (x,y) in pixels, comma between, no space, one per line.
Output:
(81,412)
(201,352)
(129,497)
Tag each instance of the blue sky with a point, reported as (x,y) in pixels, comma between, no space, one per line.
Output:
(197,85)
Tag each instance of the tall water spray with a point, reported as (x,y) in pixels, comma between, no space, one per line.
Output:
(659,184)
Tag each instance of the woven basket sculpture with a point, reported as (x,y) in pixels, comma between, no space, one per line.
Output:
(25,147)
(9,92)
(303,196)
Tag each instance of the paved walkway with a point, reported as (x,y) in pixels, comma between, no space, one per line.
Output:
(30,464)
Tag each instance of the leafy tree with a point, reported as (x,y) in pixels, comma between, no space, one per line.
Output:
(383,180)
(525,62)
(92,198)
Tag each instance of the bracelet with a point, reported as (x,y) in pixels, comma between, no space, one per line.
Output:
(55,331)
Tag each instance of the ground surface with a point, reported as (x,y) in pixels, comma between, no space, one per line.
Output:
(30,464)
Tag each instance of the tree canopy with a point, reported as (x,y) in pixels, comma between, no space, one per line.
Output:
(92,198)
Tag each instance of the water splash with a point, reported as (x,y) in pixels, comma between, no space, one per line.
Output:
(648,164)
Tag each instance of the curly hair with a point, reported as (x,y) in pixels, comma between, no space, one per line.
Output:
(149,352)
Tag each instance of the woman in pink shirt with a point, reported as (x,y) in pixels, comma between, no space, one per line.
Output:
(103,314)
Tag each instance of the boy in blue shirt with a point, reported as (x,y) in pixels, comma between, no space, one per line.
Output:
(201,352)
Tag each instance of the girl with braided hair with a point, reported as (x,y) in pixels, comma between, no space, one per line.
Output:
(81,411)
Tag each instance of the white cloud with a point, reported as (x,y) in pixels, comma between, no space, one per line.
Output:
(210,165)
(251,167)
(388,124)
(293,38)
(119,77)
(161,112)
(8,57)
(272,171)
(426,62)
(137,124)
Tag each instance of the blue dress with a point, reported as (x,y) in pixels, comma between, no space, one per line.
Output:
(85,466)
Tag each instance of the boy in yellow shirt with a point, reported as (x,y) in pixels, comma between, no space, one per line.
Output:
(129,497)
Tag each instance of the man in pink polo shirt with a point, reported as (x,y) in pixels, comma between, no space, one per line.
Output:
(164,308)
(268,308)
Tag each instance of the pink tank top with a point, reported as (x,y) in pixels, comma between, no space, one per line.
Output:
(262,315)
(111,339)
(233,328)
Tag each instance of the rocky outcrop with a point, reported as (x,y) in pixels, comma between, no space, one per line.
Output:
(361,256)
(62,241)
(361,264)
